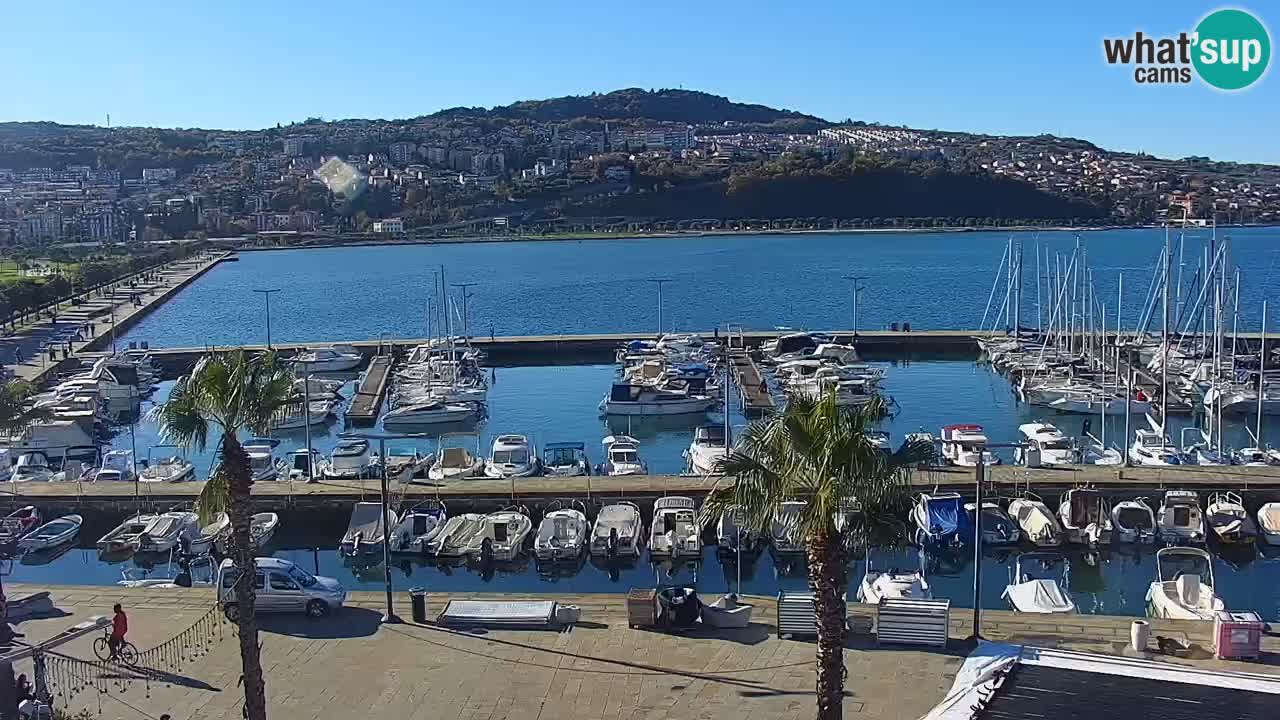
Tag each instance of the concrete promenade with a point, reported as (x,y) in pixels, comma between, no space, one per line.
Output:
(349,666)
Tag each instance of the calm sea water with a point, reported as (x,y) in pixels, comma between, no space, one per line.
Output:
(934,281)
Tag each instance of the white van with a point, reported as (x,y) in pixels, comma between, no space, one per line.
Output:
(281,586)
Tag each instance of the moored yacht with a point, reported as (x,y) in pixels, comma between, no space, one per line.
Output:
(626,399)
(167,467)
(1055,449)
(1153,448)
(351,460)
(676,532)
(622,456)
(709,447)
(512,456)
(454,460)
(619,531)
(334,358)
(961,445)
(1184,587)
(565,459)
(432,412)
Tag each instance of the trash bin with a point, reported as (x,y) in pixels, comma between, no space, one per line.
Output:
(418,601)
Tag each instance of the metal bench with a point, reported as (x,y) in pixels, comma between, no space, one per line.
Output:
(913,622)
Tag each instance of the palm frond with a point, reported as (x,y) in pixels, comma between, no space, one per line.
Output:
(215,497)
(16,413)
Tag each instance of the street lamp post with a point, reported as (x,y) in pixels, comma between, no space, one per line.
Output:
(980,476)
(266,295)
(466,315)
(853,298)
(659,282)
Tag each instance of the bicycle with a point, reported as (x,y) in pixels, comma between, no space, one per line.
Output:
(126,653)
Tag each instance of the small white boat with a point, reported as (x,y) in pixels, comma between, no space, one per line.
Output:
(418,526)
(167,468)
(726,612)
(622,456)
(432,412)
(163,532)
(1253,457)
(1179,520)
(562,535)
(455,461)
(304,465)
(961,443)
(500,537)
(117,466)
(1183,588)
(628,399)
(52,534)
(366,530)
(1085,516)
(997,527)
(31,466)
(709,447)
(511,456)
(262,527)
(1039,525)
(676,532)
(124,537)
(619,531)
(1034,587)
(565,459)
(264,465)
(210,534)
(1132,521)
(293,417)
(1055,449)
(1269,523)
(785,533)
(1152,448)
(334,358)
(941,518)
(1229,520)
(351,460)
(731,536)
(19,523)
(892,585)
(316,388)
(452,539)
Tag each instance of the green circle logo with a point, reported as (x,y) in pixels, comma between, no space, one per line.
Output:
(1232,49)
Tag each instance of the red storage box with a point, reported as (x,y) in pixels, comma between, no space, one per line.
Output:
(1237,636)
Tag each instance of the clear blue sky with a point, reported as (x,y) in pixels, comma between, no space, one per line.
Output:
(993,66)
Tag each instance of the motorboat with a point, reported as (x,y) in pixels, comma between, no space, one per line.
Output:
(418,526)
(622,456)
(726,612)
(1184,587)
(264,465)
(731,535)
(565,459)
(1253,457)
(1132,521)
(455,461)
(351,460)
(1054,448)
(1179,520)
(162,534)
(18,524)
(628,399)
(124,537)
(117,466)
(298,415)
(997,527)
(893,585)
(432,412)
(452,539)
(1085,516)
(619,531)
(709,447)
(306,465)
(366,529)
(511,456)
(1034,587)
(167,467)
(924,439)
(334,358)
(52,534)
(941,518)
(563,534)
(961,446)
(262,527)
(403,464)
(1038,524)
(316,388)
(31,466)
(1229,520)
(1092,402)
(676,532)
(879,439)
(1269,523)
(785,533)
(1153,448)
(501,536)
(77,462)
(212,534)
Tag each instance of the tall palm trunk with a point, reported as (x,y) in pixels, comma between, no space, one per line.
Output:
(828,579)
(235,463)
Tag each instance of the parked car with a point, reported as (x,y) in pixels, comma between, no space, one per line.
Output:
(281,587)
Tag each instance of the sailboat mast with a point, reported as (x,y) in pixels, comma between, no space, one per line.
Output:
(1017,298)
(1039,309)
(1235,323)
(1164,337)
(1262,369)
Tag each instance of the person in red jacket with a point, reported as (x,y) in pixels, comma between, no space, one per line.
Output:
(119,629)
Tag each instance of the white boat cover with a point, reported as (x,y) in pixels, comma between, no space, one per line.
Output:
(1039,596)
(366,519)
(1036,521)
(1269,517)
(509,613)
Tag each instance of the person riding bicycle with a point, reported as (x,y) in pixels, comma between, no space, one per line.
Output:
(119,629)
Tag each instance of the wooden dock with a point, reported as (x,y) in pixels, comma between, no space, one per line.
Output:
(757,401)
(372,389)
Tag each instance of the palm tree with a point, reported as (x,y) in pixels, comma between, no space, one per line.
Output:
(820,453)
(225,394)
(15,413)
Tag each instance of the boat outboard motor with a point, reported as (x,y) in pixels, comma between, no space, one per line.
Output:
(613,542)
(486,551)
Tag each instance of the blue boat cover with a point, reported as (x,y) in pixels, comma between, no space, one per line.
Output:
(947,518)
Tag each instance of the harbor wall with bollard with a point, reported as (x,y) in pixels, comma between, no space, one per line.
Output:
(1255,484)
